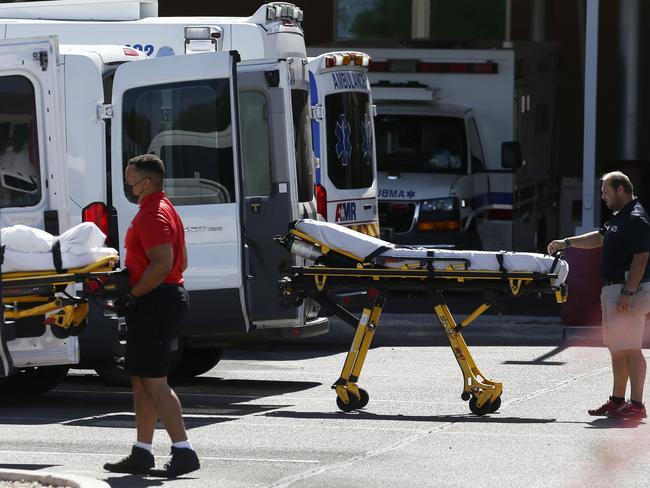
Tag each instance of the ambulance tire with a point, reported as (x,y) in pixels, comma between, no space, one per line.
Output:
(115,375)
(197,361)
(30,383)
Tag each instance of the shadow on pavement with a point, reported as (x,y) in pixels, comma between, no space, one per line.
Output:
(27,467)
(205,400)
(133,480)
(494,418)
(607,423)
(542,360)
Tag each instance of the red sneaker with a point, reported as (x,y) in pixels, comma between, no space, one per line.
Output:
(628,411)
(605,408)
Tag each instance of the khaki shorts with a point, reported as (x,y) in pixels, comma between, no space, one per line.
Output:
(624,330)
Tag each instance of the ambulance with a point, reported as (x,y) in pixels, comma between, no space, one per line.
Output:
(343,137)
(466,144)
(234,193)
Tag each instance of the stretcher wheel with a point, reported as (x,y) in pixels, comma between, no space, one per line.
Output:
(494,406)
(363,399)
(466,395)
(485,408)
(348,407)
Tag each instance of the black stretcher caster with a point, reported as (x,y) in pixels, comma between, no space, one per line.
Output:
(482,410)
(348,407)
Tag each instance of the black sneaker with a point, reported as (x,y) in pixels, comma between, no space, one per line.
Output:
(184,460)
(140,461)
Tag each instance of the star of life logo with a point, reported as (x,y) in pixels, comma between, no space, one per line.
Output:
(366,139)
(343,145)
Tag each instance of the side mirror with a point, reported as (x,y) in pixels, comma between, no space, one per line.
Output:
(511,155)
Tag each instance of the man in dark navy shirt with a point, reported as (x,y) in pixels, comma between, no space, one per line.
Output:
(625,297)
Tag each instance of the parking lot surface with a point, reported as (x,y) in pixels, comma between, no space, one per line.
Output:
(268,418)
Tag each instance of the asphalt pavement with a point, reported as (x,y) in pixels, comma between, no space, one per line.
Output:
(267,417)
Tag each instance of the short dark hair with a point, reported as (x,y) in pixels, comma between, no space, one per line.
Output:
(148,163)
(616,179)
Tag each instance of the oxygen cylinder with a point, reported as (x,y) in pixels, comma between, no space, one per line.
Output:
(305,250)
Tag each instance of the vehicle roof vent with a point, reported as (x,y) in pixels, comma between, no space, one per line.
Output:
(80,10)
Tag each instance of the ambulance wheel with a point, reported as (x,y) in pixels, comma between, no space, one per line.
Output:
(29,383)
(466,395)
(485,408)
(347,407)
(495,404)
(364,398)
(196,361)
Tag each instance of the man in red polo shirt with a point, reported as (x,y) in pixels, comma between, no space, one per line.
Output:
(156,258)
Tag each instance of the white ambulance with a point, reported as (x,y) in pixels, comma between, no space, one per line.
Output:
(234,193)
(343,137)
(466,145)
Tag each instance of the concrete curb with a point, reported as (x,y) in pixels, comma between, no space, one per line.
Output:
(54,479)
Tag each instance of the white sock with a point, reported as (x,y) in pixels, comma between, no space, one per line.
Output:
(142,445)
(183,445)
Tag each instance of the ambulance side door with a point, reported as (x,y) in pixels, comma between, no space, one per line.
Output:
(33,189)
(270,200)
(182,109)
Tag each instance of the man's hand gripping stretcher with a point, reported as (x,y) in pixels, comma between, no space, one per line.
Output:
(347,260)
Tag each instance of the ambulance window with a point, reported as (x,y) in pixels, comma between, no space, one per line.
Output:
(421,144)
(20,180)
(254,123)
(349,140)
(188,125)
(478,159)
(303,147)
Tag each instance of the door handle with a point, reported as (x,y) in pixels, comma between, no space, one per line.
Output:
(367,206)
(256,205)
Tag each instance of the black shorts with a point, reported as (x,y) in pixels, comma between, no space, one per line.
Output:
(152,325)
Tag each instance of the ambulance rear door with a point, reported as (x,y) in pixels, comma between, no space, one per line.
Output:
(33,188)
(182,108)
(343,119)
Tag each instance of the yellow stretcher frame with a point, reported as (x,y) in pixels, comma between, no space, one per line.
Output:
(316,281)
(31,293)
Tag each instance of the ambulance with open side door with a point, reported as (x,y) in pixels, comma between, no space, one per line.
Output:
(114,111)
(343,136)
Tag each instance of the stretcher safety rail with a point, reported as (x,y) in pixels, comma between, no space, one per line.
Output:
(344,260)
(33,293)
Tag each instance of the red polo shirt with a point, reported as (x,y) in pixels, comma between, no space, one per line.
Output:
(156,223)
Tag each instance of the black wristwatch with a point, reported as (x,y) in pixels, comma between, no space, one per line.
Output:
(628,293)
(567,243)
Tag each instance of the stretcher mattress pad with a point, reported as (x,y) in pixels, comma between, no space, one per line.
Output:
(337,237)
(30,249)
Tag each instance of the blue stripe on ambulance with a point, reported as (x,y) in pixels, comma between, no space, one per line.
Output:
(315,124)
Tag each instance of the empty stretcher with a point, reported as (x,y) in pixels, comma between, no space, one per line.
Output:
(344,260)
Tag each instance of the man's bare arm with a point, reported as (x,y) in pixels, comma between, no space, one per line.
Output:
(637,269)
(590,240)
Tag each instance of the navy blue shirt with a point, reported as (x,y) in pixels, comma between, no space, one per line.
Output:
(626,234)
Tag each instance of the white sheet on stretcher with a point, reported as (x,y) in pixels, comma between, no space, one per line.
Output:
(339,237)
(30,249)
